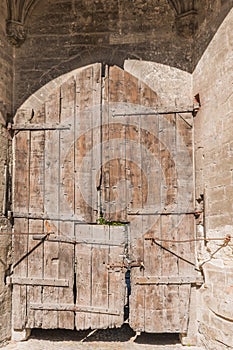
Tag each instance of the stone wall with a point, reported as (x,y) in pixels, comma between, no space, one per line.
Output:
(6,74)
(212,80)
(210,16)
(65,35)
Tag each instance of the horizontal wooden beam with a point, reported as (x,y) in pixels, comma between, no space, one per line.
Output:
(169,280)
(38,281)
(70,240)
(75,308)
(49,216)
(42,126)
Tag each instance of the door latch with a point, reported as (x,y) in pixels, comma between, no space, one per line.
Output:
(127,265)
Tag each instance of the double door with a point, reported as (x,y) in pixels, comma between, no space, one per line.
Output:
(102,188)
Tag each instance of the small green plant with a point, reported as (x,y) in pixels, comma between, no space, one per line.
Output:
(102,221)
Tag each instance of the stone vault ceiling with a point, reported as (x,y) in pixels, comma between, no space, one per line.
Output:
(18,10)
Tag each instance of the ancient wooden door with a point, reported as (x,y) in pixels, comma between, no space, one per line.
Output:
(103,183)
(147,182)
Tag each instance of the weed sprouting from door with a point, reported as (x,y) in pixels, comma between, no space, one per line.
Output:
(102,221)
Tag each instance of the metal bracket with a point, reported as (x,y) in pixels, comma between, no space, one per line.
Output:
(127,265)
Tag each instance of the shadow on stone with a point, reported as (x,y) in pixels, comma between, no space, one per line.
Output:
(58,334)
(158,338)
(122,334)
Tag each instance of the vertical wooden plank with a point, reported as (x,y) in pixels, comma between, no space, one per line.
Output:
(50,294)
(66,294)
(186,228)
(88,102)
(35,270)
(96,138)
(187,252)
(137,298)
(67,201)
(169,222)
(99,281)
(151,200)
(19,294)
(87,179)
(83,258)
(123,88)
(21,176)
(149,195)
(153,294)
(184,141)
(36,205)
(67,149)
(114,173)
(51,202)
(20,242)
(36,166)
(105,150)
(116,277)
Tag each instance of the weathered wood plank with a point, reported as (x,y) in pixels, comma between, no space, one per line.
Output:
(152,198)
(21,175)
(67,149)
(167,126)
(51,202)
(187,251)
(36,172)
(19,307)
(84,235)
(67,200)
(168,280)
(35,274)
(74,308)
(99,280)
(142,130)
(96,138)
(186,229)
(66,271)
(153,264)
(87,170)
(116,278)
(20,242)
(33,281)
(50,216)
(104,194)
(184,158)
(41,126)
(135,173)
(88,102)
(83,256)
